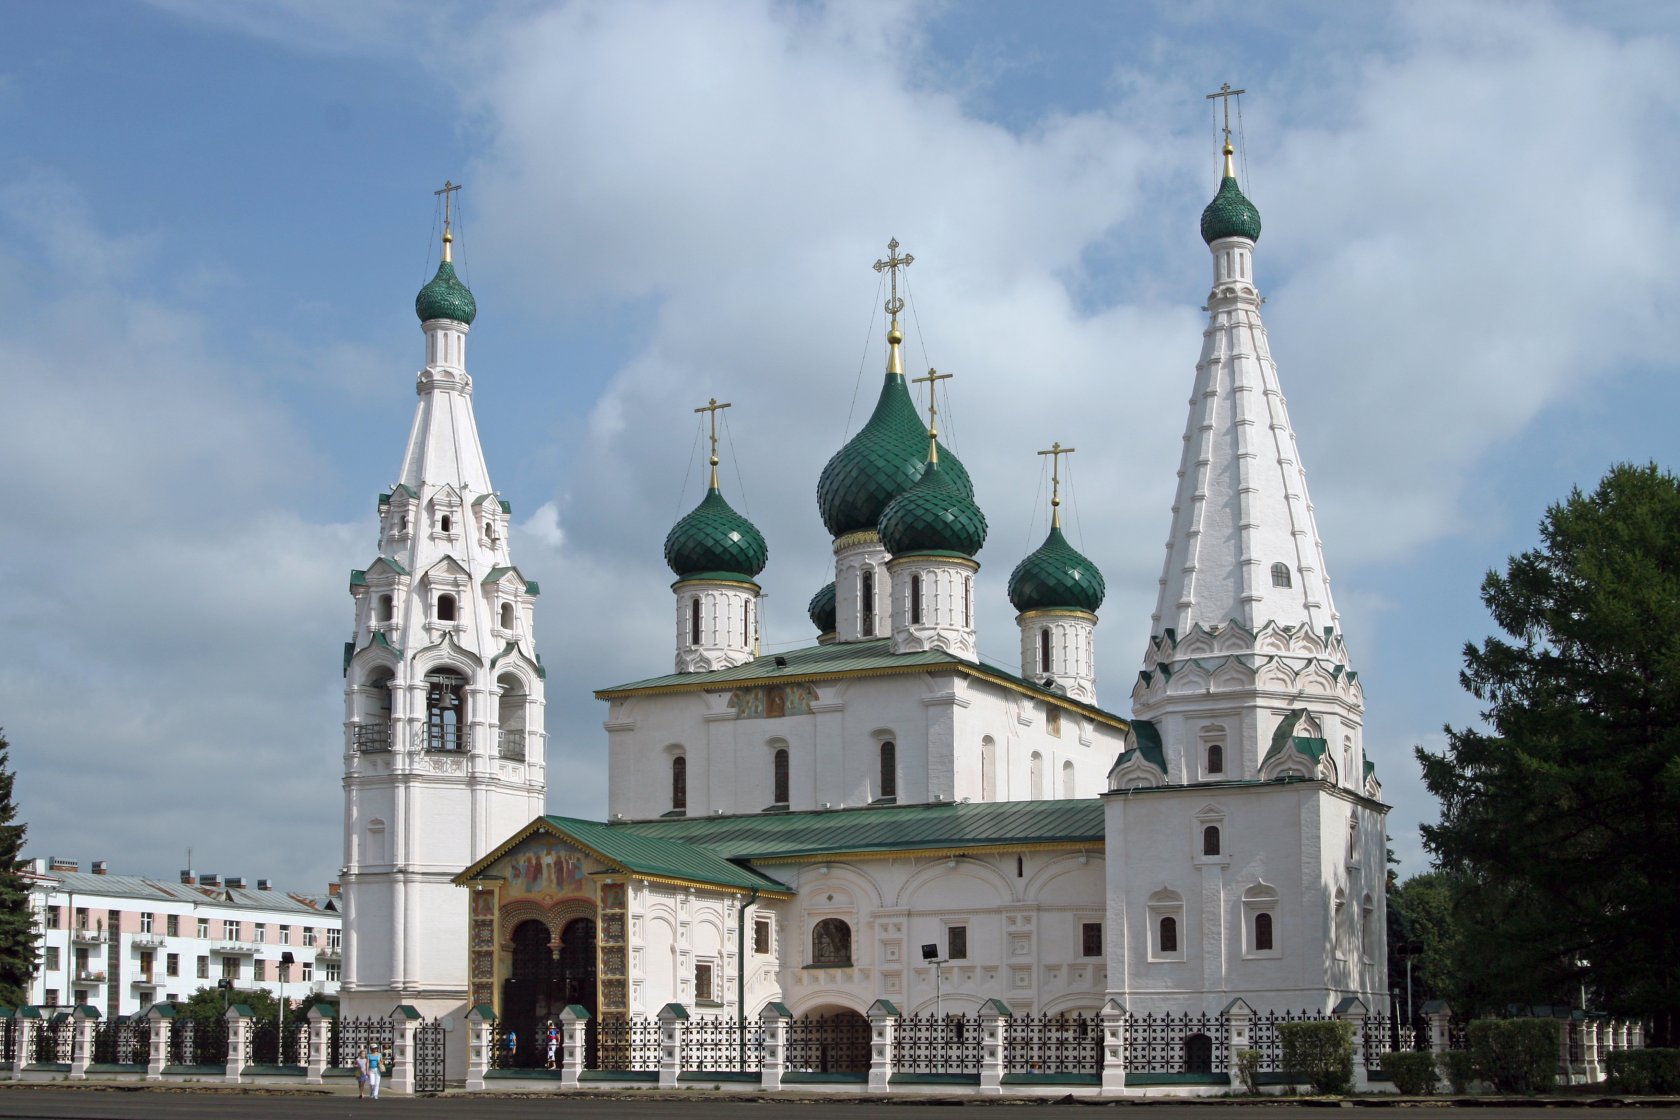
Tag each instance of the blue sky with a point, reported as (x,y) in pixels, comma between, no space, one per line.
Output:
(213,219)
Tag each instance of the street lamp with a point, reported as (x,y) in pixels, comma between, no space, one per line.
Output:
(286,959)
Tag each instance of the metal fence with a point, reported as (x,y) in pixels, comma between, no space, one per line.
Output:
(349,1039)
(828,1044)
(1053,1044)
(1168,1042)
(54,1038)
(267,1037)
(631,1044)
(123,1041)
(723,1045)
(937,1044)
(198,1042)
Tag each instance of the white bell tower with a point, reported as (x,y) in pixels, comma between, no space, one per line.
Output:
(443,691)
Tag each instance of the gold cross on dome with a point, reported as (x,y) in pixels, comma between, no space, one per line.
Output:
(713,407)
(932,380)
(1056,452)
(1225,94)
(893,263)
(447,190)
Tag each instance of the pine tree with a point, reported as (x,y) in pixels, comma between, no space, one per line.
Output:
(1562,818)
(17,921)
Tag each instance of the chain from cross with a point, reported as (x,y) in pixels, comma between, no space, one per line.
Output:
(1056,452)
(932,380)
(713,407)
(1225,94)
(446,190)
(894,262)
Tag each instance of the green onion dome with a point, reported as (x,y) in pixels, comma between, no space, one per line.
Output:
(935,515)
(1056,577)
(822,610)
(881,462)
(1230,214)
(445,297)
(714,540)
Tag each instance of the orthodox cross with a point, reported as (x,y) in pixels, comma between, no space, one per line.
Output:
(446,190)
(1225,94)
(1056,452)
(893,263)
(933,378)
(713,407)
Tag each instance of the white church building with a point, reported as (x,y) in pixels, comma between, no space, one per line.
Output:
(879,817)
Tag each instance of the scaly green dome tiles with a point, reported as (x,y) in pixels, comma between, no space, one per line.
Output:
(714,540)
(822,610)
(445,297)
(934,515)
(1230,214)
(881,462)
(1056,577)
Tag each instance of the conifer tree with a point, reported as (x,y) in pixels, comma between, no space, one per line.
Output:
(17,921)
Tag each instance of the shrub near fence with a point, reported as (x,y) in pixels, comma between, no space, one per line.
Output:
(1516,1055)
(1413,1073)
(1320,1051)
(1644,1071)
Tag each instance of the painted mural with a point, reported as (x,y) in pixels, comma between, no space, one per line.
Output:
(773,701)
(543,866)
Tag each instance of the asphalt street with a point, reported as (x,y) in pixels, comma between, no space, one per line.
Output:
(125,1103)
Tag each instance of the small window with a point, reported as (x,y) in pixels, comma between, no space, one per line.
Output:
(866,603)
(262,932)
(1020,868)
(1215,759)
(446,608)
(230,929)
(204,968)
(446,523)
(779,766)
(694,621)
(915,600)
(1044,651)
(1169,934)
(145,921)
(385,608)
(703,990)
(52,964)
(507,616)
(889,769)
(831,943)
(1280,575)
(172,964)
(761,937)
(204,927)
(1210,840)
(308,971)
(1262,932)
(172,924)
(259,969)
(1090,939)
(956,943)
(679,783)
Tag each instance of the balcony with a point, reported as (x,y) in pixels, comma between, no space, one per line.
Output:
(147,941)
(511,745)
(90,976)
(88,936)
(371,737)
(234,948)
(144,980)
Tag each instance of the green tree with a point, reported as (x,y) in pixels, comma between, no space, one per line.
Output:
(1561,818)
(17,922)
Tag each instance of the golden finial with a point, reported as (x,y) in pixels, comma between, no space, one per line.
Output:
(933,378)
(894,305)
(1056,452)
(712,406)
(446,191)
(1225,94)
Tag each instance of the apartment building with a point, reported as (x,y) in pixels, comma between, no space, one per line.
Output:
(124,942)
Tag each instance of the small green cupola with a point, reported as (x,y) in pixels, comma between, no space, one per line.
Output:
(1230,214)
(1056,577)
(823,610)
(936,515)
(714,541)
(444,296)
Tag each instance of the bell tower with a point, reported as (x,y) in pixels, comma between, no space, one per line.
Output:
(443,689)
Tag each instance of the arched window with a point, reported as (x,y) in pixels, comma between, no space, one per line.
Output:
(446,711)
(1035,777)
(446,523)
(510,717)
(866,603)
(1215,759)
(679,783)
(1044,650)
(1210,840)
(831,943)
(694,621)
(889,769)
(1262,932)
(404,525)
(1169,934)
(779,777)
(446,608)
(385,608)
(1367,929)
(968,606)
(1280,575)
(1067,780)
(507,616)
(915,600)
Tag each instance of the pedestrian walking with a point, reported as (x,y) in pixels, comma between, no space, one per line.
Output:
(512,1058)
(376,1062)
(361,1074)
(553,1042)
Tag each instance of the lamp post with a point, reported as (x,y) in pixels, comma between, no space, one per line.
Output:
(280,1028)
(930,952)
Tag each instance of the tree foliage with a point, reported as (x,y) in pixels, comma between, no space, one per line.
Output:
(1561,818)
(18,934)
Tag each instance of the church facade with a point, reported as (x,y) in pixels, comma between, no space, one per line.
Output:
(879,815)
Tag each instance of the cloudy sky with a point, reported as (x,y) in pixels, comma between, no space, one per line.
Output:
(214,217)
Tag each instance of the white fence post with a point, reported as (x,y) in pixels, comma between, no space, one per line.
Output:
(573,1038)
(82,1022)
(1239,1022)
(161,1021)
(1114,1044)
(994,1025)
(320,1037)
(774,1019)
(1353,1010)
(883,1038)
(480,1020)
(673,1018)
(238,1019)
(405,1020)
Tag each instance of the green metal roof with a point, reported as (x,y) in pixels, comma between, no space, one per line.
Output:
(1056,576)
(1230,214)
(887,828)
(935,515)
(445,297)
(655,856)
(713,538)
(822,610)
(841,659)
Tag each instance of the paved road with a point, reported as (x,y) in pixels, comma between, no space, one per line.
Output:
(143,1104)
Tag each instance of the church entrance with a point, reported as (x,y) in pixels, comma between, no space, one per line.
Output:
(542,983)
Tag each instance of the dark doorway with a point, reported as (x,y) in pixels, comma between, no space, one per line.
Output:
(1198,1054)
(542,983)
